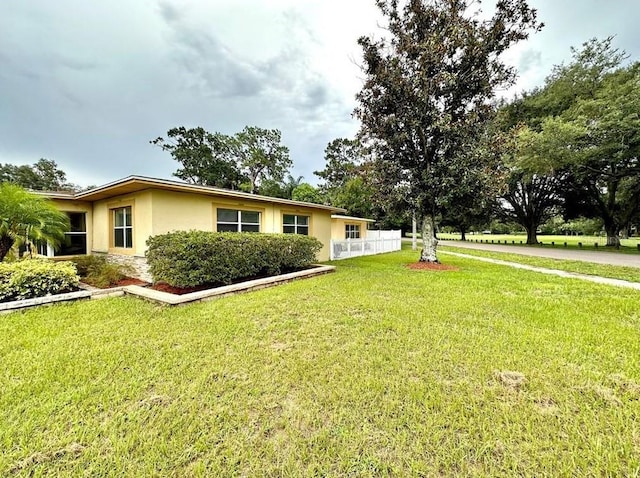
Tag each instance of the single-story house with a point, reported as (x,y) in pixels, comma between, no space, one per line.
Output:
(117,218)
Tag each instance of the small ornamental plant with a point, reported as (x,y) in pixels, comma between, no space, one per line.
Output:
(31,278)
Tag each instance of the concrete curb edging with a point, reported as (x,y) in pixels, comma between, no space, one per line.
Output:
(219,292)
(88,292)
(556,272)
(49,299)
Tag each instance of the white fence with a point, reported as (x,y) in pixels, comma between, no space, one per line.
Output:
(375,242)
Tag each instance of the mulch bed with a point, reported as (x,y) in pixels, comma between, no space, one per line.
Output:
(122,282)
(164,287)
(430,266)
(130,281)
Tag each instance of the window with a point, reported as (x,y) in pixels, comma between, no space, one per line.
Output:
(234,220)
(293,224)
(122,227)
(352,231)
(75,241)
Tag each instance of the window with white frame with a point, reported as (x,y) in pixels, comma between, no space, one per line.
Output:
(237,220)
(352,231)
(295,224)
(122,227)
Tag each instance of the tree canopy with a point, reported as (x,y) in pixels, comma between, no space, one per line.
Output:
(591,133)
(44,175)
(241,161)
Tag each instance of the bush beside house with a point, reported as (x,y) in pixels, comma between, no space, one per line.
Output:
(193,258)
(36,278)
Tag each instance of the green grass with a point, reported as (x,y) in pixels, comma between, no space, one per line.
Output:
(588,242)
(375,370)
(615,272)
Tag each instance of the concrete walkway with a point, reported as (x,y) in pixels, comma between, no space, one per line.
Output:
(544,270)
(610,258)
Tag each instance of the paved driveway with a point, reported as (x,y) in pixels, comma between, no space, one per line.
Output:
(612,258)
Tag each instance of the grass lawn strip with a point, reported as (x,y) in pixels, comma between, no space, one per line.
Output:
(631,274)
(627,246)
(561,273)
(374,370)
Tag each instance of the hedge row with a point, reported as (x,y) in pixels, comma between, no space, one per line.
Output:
(30,278)
(193,258)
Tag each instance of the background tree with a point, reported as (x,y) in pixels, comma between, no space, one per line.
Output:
(280,189)
(596,138)
(206,158)
(43,175)
(343,158)
(261,155)
(25,216)
(307,193)
(427,87)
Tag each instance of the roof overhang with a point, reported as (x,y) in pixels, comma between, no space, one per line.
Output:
(134,184)
(351,218)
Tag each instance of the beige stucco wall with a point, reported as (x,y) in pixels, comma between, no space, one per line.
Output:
(67,205)
(157,211)
(141,210)
(175,211)
(338,225)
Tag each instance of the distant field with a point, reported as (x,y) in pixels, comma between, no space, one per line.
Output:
(627,245)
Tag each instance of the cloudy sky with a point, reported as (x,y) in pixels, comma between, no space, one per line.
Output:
(88,84)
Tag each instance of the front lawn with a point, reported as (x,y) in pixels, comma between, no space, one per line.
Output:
(374,370)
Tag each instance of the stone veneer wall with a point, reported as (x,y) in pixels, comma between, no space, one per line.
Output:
(139,266)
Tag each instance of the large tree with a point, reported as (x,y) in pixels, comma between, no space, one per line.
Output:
(343,158)
(427,86)
(206,158)
(596,136)
(43,175)
(27,217)
(261,155)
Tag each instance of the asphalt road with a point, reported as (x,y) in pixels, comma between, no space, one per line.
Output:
(611,258)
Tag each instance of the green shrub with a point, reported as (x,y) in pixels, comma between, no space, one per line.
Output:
(189,259)
(97,271)
(30,278)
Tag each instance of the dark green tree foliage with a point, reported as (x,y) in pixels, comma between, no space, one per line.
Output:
(206,158)
(596,138)
(261,155)
(280,189)
(241,161)
(343,160)
(428,83)
(41,176)
(473,202)
(530,196)
(346,178)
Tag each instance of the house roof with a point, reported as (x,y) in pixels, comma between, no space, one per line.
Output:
(352,218)
(133,184)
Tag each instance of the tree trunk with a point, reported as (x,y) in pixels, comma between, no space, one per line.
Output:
(532,238)
(612,237)
(414,230)
(429,241)
(6,243)
(463,235)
